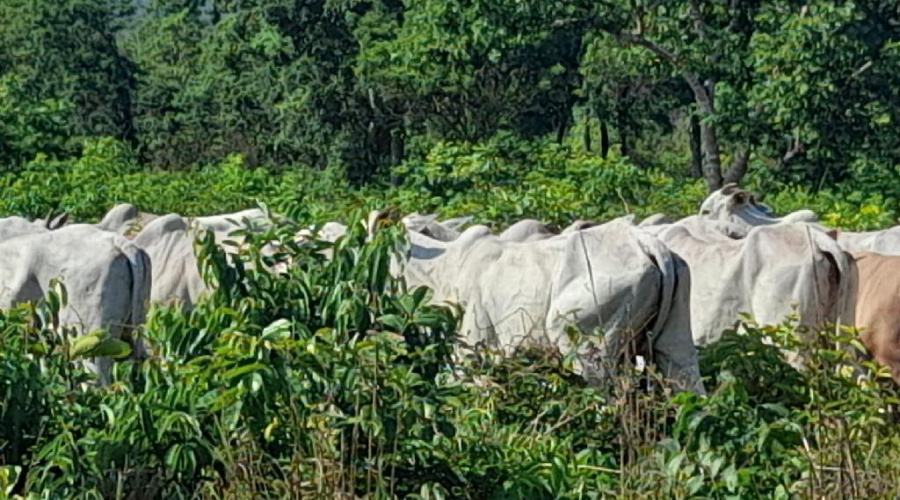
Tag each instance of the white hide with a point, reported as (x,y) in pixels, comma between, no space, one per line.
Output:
(222,225)
(428,225)
(107,279)
(125,219)
(765,274)
(656,219)
(885,242)
(11,227)
(612,277)
(169,241)
(526,230)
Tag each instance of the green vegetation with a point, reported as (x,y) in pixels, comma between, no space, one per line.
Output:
(332,381)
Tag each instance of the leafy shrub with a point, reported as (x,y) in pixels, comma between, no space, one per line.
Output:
(327,379)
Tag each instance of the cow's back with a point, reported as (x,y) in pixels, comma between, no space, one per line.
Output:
(605,278)
(169,242)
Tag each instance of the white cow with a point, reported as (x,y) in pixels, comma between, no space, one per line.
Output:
(656,219)
(765,274)
(521,231)
(739,208)
(125,219)
(612,277)
(223,224)
(107,279)
(13,226)
(579,225)
(447,230)
(169,241)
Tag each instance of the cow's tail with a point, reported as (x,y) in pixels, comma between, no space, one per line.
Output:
(141,270)
(672,343)
(843,303)
(665,262)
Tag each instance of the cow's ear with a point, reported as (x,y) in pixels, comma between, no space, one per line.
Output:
(740,197)
(833,233)
(729,188)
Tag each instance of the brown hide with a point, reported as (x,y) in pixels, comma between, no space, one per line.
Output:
(878,306)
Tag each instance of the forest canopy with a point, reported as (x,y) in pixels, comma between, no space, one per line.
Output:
(804,90)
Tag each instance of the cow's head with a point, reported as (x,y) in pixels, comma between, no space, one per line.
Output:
(740,209)
(737,207)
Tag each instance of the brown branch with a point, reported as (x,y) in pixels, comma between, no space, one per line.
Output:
(862,69)
(697,16)
(657,49)
(738,166)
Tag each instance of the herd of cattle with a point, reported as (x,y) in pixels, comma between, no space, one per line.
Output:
(660,287)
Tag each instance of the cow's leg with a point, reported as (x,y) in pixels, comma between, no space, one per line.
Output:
(676,358)
(596,361)
(24,288)
(101,367)
(475,333)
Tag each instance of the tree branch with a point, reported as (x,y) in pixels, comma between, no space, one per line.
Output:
(862,69)
(796,149)
(738,166)
(734,8)
(657,49)
(699,25)
(700,93)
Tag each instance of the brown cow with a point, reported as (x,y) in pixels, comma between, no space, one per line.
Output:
(878,306)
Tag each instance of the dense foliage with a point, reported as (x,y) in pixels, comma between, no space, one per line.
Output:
(332,381)
(795,91)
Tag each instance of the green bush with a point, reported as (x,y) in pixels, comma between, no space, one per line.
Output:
(331,380)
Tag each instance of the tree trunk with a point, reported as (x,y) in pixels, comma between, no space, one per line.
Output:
(398,151)
(621,120)
(604,140)
(704,96)
(586,134)
(561,130)
(696,152)
(712,166)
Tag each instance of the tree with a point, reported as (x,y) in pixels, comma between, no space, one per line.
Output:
(67,50)
(166,48)
(704,43)
(830,96)
(627,88)
(271,80)
(465,69)
(29,125)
